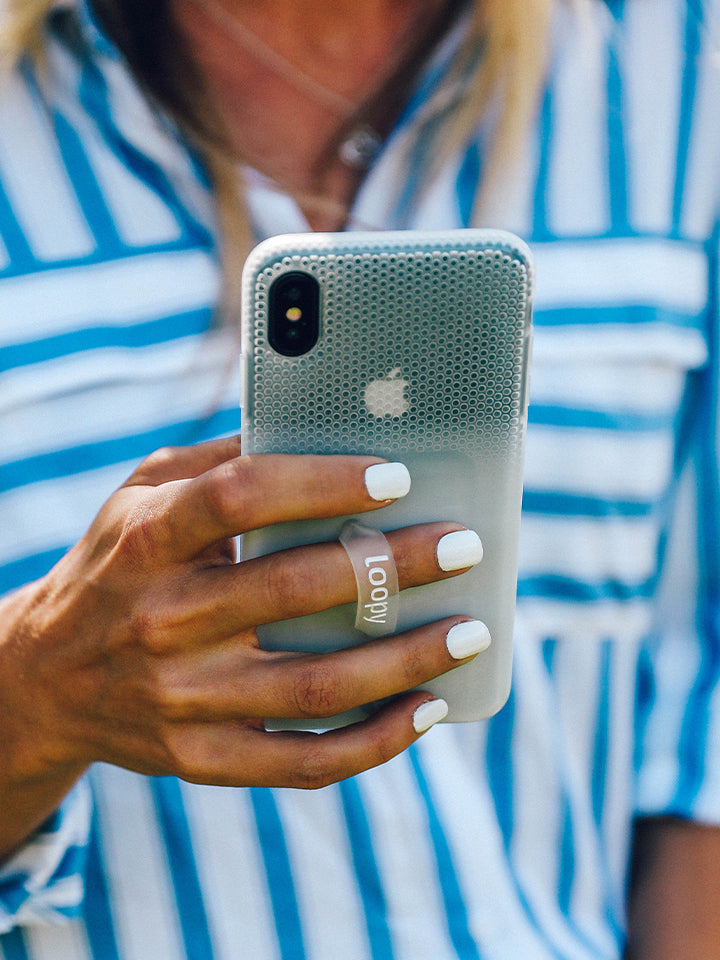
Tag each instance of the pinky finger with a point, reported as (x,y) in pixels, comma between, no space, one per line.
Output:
(250,756)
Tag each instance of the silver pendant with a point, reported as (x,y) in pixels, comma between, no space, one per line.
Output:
(360,147)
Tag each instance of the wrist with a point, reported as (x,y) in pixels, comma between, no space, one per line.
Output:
(38,764)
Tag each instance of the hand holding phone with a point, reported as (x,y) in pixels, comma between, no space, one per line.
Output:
(139,647)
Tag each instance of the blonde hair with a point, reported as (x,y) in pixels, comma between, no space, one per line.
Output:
(504,54)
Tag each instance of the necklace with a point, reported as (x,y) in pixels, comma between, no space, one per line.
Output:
(361,143)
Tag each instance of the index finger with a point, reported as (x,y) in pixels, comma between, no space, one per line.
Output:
(246,493)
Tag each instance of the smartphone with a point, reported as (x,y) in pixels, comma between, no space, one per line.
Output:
(412,346)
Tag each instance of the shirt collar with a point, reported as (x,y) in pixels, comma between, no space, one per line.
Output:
(90,28)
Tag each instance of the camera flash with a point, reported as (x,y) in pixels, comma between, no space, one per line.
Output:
(293,313)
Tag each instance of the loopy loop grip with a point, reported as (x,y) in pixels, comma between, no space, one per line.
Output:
(376,578)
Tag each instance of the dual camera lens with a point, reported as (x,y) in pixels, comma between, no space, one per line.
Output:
(294,314)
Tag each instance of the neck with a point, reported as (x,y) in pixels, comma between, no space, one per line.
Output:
(328,16)
(336,41)
(291,78)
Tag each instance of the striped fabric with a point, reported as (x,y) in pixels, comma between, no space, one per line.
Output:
(487,841)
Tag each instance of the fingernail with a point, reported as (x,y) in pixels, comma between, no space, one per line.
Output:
(462,548)
(428,714)
(467,638)
(387,481)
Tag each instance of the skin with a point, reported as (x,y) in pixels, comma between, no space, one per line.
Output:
(674,904)
(139,648)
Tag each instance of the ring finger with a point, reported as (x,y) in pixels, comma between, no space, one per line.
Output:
(233,681)
(303,580)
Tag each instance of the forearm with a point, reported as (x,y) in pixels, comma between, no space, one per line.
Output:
(674,898)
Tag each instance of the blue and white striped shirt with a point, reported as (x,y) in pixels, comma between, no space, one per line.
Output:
(497,840)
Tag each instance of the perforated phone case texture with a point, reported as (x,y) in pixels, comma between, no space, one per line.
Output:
(422,357)
(371,296)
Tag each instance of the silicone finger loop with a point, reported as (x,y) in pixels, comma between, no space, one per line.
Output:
(376,578)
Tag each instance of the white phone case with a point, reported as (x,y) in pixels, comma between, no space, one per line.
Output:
(422,357)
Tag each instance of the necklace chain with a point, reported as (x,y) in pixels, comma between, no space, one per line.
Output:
(362,142)
(280,65)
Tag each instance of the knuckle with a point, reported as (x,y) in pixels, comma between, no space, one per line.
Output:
(317,691)
(150,632)
(290,587)
(227,494)
(157,688)
(158,460)
(315,770)
(141,537)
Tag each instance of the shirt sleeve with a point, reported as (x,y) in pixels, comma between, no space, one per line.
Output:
(43,881)
(678,756)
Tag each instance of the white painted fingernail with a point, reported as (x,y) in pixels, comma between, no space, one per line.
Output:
(467,638)
(387,481)
(428,714)
(463,548)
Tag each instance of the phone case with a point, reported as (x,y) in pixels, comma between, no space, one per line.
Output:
(422,357)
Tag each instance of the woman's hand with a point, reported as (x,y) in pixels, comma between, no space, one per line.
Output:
(139,648)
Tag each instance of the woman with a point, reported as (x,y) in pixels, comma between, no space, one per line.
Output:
(140,143)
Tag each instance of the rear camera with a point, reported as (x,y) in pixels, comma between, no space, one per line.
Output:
(294,314)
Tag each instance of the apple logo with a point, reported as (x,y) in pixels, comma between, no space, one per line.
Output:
(386,397)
